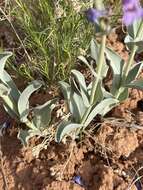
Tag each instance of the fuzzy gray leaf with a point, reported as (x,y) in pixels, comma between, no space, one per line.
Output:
(25,135)
(42,114)
(67,128)
(138,84)
(82,84)
(23,102)
(100,109)
(134,72)
(3,58)
(88,65)
(116,63)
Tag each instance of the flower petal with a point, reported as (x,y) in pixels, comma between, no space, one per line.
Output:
(132,11)
(93,14)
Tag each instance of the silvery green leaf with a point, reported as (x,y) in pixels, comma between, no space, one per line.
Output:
(74,85)
(88,65)
(116,63)
(104,70)
(23,102)
(4,90)
(99,109)
(89,88)
(123,95)
(6,79)
(133,28)
(3,58)
(95,55)
(130,42)
(66,89)
(94,48)
(138,84)
(82,85)
(106,94)
(74,100)
(25,135)
(42,114)
(11,112)
(133,37)
(77,107)
(134,72)
(66,128)
(99,93)
(9,103)
(109,107)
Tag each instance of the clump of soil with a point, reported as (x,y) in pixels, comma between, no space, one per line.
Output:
(108,163)
(114,138)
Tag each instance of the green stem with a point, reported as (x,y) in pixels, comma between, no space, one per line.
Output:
(96,80)
(133,52)
(99,69)
(130,61)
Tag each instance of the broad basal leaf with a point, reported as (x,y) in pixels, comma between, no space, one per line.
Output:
(82,85)
(67,129)
(3,58)
(88,65)
(123,94)
(66,89)
(23,102)
(138,84)
(134,72)
(25,135)
(42,114)
(133,28)
(100,109)
(4,90)
(116,63)
(8,102)
(133,37)
(74,101)
(77,107)
(6,79)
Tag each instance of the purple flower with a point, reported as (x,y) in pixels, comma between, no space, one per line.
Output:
(78,180)
(132,11)
(93,14)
